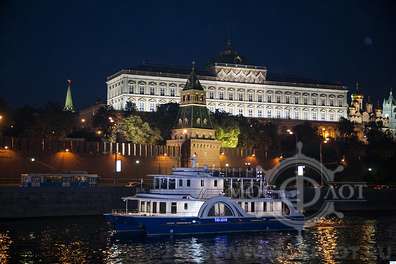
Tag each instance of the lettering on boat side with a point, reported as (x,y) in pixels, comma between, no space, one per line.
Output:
(221,220)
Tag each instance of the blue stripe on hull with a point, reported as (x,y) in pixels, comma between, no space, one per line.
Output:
(178,226)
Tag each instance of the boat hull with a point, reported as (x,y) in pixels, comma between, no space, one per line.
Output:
(151,226)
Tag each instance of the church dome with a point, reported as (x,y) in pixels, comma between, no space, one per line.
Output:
(229,55)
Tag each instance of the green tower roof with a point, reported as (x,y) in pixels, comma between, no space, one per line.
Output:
(69,100)
(192,81)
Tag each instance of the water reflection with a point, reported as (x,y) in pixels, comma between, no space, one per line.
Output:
(88,240)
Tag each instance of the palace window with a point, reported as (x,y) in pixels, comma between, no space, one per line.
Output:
(240,111)
(296,100)
(296,114)
(141,106)
(231,96)
(152,107)
(211,94)
(269,113)
(259,113)
(331,102)
(141,88)
(250,97)
(331,117)
(221,95)
(162,91)
(288,114)
(278,114)
(180,183)
(240,97)
(305,100)
(131,88)
(259,98)
(278,98)
(322,101)
(339,102)
(151,90)
(305,115)
(188,183)
(314,101)
(172,91)
(269,98)
(323,116)
(250,112)
(287,99)
(313,116)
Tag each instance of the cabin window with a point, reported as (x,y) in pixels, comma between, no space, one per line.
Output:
(142,206)
(164,183)
(188,183)
(185,206)
(172,184)
(246,207)
(173,208)
(252,207)
(220,209)
(154,207)
(215,183)
(264,206)
(180,183)
(156,183)
(202,183)
(148,207)
(162,208)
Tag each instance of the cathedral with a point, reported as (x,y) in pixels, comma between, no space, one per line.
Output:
(362,113)
(389,108)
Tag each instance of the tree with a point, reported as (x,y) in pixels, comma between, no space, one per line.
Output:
(134,129)
(227,129)
(345,127)
(228,137)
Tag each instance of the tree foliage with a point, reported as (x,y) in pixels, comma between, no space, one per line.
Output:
(133,129)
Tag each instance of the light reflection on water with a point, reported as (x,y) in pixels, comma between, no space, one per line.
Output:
(88,240)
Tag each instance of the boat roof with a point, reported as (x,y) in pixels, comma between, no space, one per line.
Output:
(160,196)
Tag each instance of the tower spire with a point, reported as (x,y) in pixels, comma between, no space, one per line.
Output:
(69,99)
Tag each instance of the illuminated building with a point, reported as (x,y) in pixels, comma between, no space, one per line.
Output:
(233,86)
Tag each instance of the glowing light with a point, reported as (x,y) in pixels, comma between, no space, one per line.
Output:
(83,120)
(67,150)
(184,131)
(165,154)
(137,161)
(222,153)
(1,117)
(32,159)
(5,147)
(118,165)
(98,132)
(227,165)
(253,155)
(370,169)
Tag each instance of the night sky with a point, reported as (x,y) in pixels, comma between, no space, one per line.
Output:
(44,43)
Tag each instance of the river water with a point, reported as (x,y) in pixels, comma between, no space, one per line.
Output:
(353,239)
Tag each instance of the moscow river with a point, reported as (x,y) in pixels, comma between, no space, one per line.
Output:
(354,239)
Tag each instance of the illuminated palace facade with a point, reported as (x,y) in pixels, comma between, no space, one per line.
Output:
(233,86)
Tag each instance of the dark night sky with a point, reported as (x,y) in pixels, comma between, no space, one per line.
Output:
(44,43)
